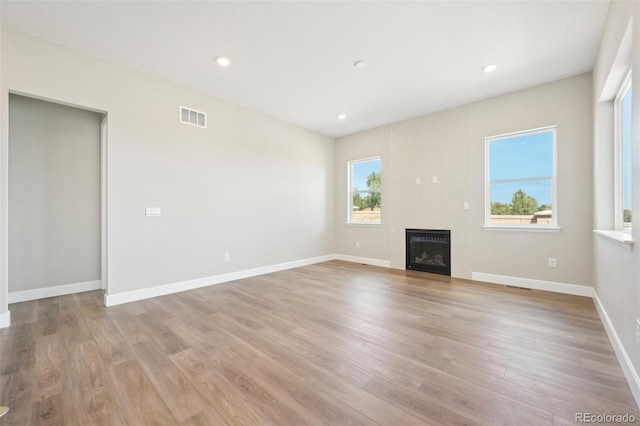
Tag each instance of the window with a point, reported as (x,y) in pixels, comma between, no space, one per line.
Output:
(521,179)
(364,191)
(622,108)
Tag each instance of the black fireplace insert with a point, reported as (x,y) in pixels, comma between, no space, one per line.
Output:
(429,250)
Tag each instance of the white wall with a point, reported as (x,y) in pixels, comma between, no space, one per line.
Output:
(54,194)
(450,145)
(567,104)
(249,185)
(373,239)
(616,268)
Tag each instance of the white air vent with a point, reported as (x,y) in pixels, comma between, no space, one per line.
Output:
(193,117)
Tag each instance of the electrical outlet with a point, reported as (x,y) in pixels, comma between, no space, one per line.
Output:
(357,244)
(638,330)
(552,262)
(227,257)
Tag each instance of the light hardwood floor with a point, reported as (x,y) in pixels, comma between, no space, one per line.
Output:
(330,344)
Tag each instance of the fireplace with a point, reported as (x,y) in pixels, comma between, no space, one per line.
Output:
(429,250)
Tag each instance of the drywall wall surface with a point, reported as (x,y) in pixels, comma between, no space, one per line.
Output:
(616,284)
(434,150)
(413,153)
(449,146)
(249,185)
(373,239)
(566,104)
(54,194)
(616,268)
(5,315)
(618,20)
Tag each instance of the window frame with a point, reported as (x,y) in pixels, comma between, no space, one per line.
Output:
(350,192)
(553,226)
(618,156)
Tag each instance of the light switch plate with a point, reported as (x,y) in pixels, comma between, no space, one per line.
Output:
(153,212)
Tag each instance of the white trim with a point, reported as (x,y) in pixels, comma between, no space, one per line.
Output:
(60,290)
(364,224)
(522,132)
(364,260)
(623,357)
(104,137)
(162,290)
(4,207)
(554,179)
(525,228)
(55,101)
(623,239)
(575,289)
(618,195)
(350,165)
(5,319)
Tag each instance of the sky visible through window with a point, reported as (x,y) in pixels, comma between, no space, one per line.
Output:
(626,150)
(526,158)
(361,171)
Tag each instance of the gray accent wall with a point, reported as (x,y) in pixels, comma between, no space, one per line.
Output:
(450,146)
(54,194)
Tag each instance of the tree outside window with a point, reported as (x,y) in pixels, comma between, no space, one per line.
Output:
(521,185)
(365,201)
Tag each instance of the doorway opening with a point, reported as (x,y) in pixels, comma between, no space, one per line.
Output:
(56,199)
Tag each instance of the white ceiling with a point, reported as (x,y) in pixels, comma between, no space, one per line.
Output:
(294,60)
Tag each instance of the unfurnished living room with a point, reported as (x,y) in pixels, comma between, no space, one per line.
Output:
(319,212)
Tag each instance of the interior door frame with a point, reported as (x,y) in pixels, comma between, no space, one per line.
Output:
(4,225)
(104,136)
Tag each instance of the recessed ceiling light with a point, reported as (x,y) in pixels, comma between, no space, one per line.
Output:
(490,68)
(342,116)
(223,61)
(359,64)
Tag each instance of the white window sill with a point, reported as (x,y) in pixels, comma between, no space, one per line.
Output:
(364,224)
(623,239)
(522,228)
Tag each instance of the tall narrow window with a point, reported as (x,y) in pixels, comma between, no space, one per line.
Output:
(365,201)
(521,179)
(623,156)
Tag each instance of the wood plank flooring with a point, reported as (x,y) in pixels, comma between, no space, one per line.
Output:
(330,344)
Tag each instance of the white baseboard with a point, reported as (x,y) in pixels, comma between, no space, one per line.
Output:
(623,357)
(5,319)
(629,370)
(60,290)
(364,260)
(575,289)
(162,290)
